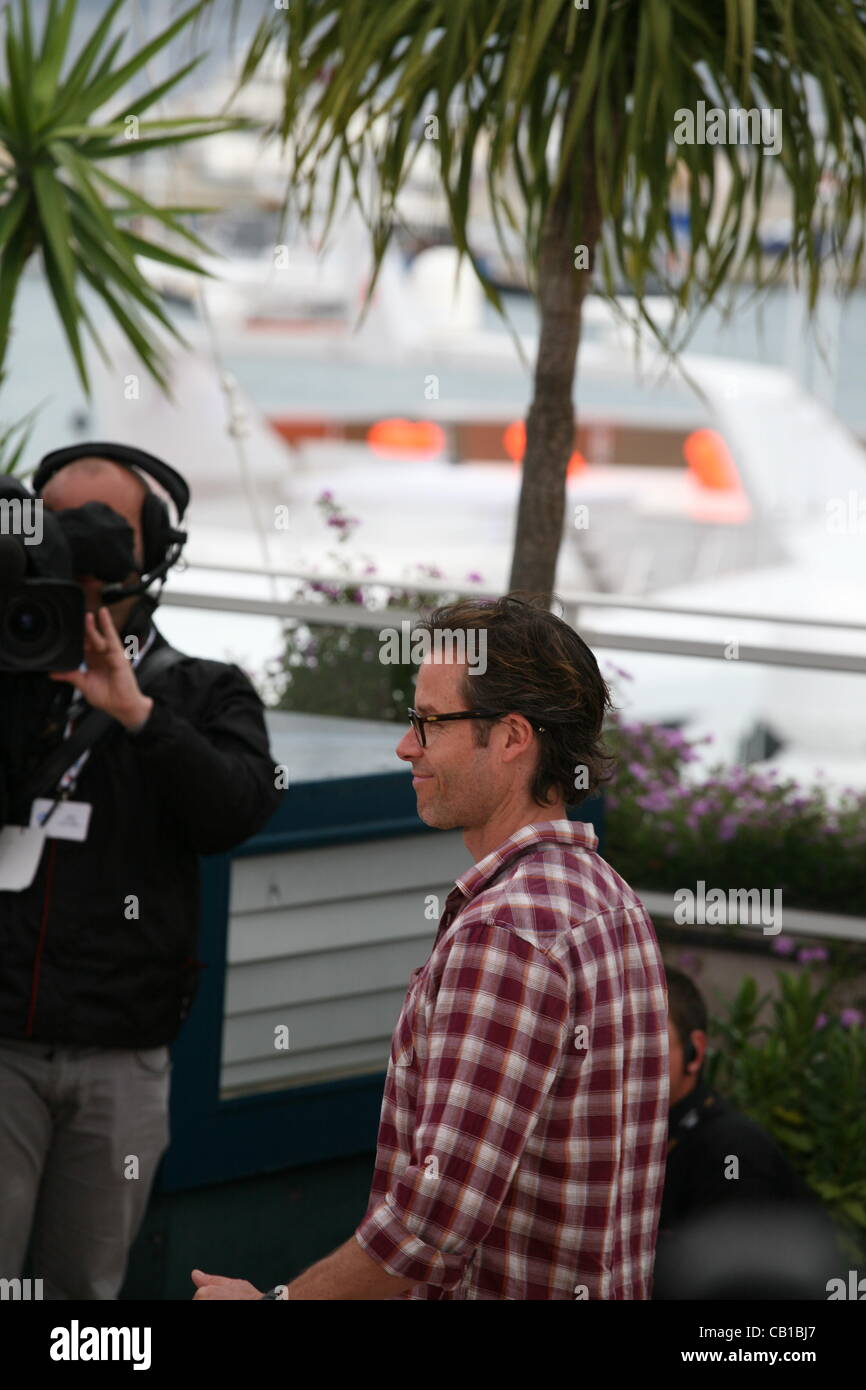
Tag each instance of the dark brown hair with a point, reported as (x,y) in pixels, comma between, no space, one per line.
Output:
(685,1005)
(539,667)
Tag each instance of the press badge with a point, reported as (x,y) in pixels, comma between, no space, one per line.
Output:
(20,852)
(69,822)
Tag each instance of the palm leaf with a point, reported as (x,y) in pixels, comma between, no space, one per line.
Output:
(101,91)
(80,71)
(57,197)
(19,75)
(132,327)
(55,41)
(69,309)
(11,214)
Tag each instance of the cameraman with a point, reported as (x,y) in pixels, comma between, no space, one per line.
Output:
(97,955)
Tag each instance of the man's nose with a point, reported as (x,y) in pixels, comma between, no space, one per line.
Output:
(409,747)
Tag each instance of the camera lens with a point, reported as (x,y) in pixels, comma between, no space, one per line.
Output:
(27,623)
(41,626)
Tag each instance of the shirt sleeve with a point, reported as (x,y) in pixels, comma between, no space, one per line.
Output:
(496,1031)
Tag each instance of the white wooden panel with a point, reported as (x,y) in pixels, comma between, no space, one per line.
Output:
(285,1070)
(330,975)
(361,1018)
(323,941)
(291,932)
(263,881)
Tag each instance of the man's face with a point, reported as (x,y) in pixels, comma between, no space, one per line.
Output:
(457,784)
(121,491)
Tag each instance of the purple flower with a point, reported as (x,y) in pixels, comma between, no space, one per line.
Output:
(851,1018)
(369,569)
(326,496)
(728,827)
(654,801)
(783,946)
(639,772)
(473,577)
(811,953)
(820,1021)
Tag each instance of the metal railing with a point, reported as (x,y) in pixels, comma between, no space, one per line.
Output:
(342,614)
(797,922)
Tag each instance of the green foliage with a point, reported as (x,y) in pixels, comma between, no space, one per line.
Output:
(336,669)
(14,440)
(802,1076)
(537,92)
(56,197)
(737,826)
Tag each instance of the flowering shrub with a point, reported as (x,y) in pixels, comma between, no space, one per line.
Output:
(802,1076)
(330,668)
(738,827)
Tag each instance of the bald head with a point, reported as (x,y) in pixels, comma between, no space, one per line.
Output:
(100,480)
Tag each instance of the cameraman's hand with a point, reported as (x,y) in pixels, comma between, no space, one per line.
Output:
(109,682)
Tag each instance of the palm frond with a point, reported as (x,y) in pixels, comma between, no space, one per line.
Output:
(55,196)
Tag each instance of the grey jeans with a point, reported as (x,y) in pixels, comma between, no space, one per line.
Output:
(82,1130)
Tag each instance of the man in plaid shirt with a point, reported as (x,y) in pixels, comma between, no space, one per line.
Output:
(523,1135)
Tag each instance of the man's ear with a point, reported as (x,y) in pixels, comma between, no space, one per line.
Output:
(696,1050)
(519,721)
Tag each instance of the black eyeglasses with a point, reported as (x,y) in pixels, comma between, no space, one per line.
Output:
(419,720)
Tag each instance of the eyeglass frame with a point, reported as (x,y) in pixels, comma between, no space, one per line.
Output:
(418,721)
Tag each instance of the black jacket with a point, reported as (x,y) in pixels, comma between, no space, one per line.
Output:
(703,1129)
(100,950)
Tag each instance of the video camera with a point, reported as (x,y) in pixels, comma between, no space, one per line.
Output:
(41,605)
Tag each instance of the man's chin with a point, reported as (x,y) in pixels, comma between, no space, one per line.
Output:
(438,818)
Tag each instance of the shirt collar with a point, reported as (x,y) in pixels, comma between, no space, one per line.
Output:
(574,834)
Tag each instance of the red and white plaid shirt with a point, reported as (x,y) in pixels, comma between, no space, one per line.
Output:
(523,1136)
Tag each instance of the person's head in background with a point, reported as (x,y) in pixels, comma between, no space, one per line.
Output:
(122,489)
(687,1032)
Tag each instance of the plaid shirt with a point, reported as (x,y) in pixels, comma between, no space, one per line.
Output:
(523,1134)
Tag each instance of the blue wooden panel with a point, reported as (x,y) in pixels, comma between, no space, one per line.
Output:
(214,1140)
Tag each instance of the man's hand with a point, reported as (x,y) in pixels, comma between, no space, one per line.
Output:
(109,682)
(215,1286)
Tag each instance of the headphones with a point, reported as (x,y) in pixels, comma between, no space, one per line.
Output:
(162,541)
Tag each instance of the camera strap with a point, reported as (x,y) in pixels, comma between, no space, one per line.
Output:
(90,729)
